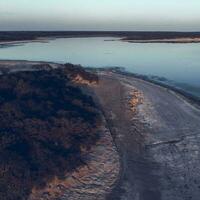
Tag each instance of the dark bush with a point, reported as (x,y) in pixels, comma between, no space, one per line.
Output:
(44,122)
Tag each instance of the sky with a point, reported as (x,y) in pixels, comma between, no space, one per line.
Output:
(121,15)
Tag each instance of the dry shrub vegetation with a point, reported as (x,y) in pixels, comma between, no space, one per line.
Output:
(46,122)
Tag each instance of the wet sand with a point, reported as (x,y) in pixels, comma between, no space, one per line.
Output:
(159,144)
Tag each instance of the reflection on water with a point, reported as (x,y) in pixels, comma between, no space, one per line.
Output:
(179,63)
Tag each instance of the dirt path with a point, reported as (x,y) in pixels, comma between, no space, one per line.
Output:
(159,145)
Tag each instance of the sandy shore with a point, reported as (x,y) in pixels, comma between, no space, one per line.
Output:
(159,144)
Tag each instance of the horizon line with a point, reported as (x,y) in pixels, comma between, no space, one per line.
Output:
(174,31)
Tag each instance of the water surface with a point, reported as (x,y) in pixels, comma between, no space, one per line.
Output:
(179,63)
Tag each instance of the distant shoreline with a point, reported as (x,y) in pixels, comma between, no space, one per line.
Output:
(20,37)
(176,40)
(47,39)
(18,42)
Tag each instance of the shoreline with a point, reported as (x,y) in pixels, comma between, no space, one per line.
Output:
(180,92)
(194,100)
(184,94)
(21,42)
(170,41)
(46,39)
(154,141)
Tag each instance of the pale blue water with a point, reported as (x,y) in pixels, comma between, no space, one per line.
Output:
(179,63)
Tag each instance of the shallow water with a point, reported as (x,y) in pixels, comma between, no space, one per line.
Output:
(179,63)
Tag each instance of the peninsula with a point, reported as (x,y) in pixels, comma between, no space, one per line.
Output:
(100,134)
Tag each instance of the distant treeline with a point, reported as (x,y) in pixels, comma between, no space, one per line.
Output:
(132,35)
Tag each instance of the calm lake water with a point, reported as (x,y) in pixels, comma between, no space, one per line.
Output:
(179,63)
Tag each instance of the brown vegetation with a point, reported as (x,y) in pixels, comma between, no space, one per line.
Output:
(46,124)
(78,75)
(136,99)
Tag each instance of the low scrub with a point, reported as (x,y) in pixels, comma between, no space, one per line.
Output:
(47,124)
